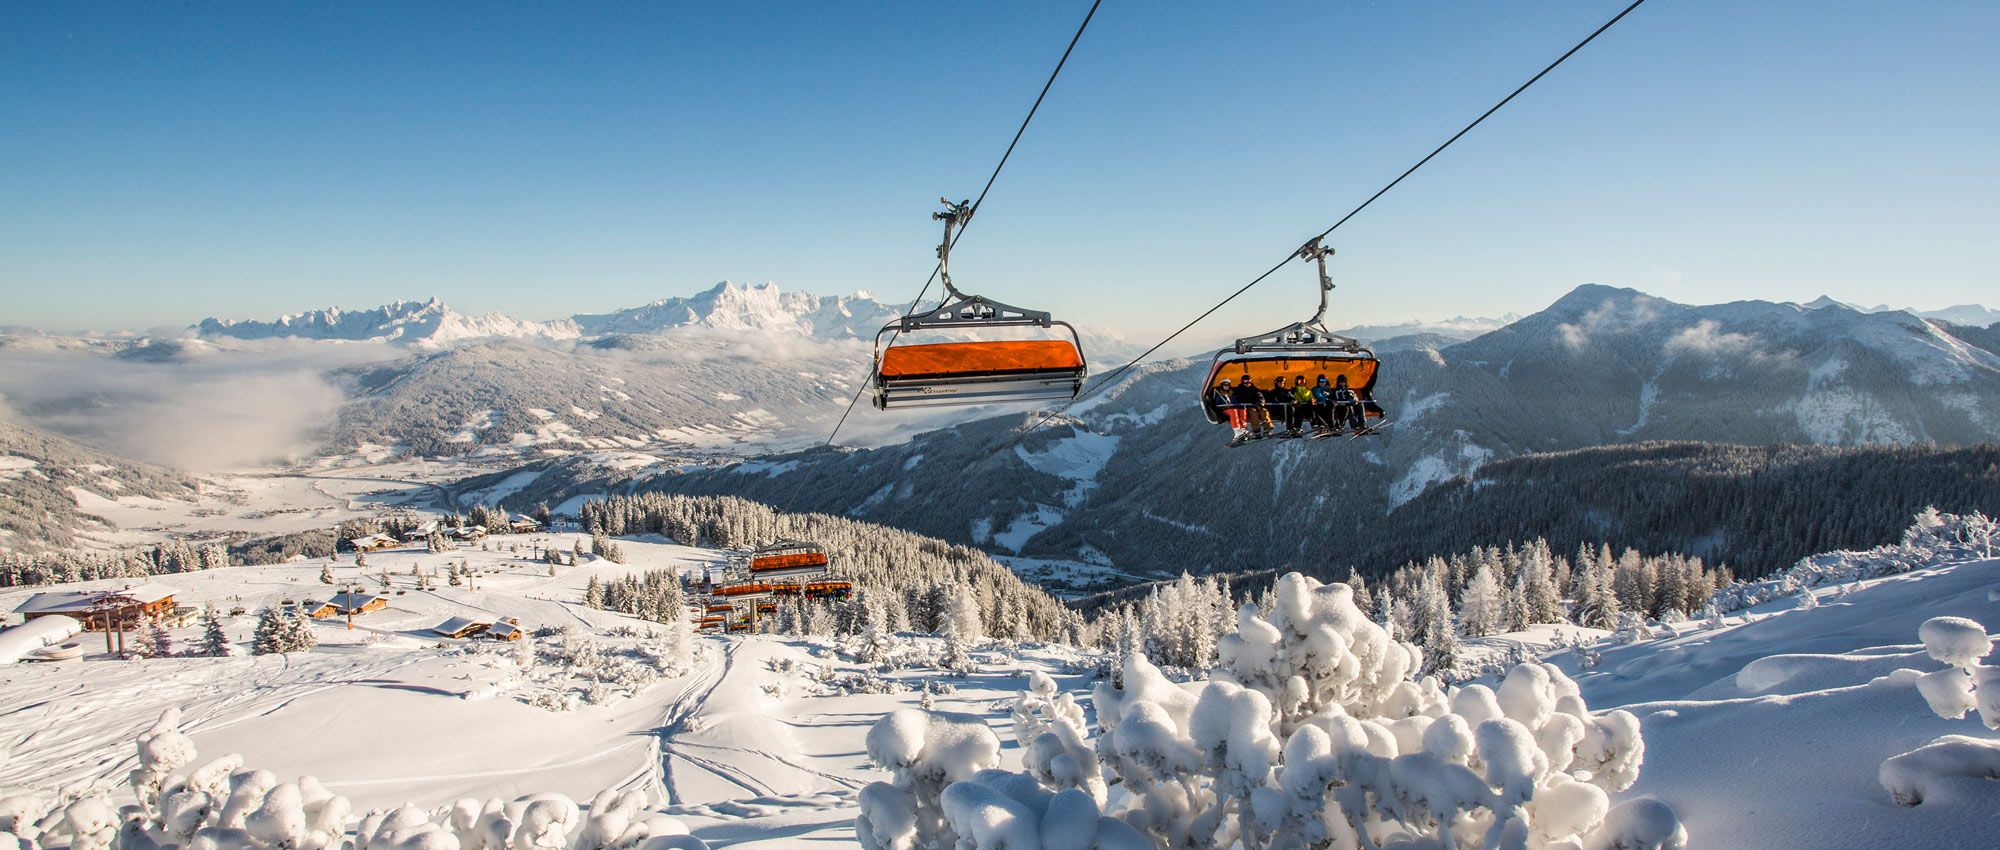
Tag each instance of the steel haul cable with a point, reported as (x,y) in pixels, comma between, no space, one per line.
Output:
(970,216)
(1111,378)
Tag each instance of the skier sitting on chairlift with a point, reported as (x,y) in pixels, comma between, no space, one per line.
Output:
(1251,402)
(1278,401)
(1347,406)
(1300,411)
(1322,406)
(1224,399)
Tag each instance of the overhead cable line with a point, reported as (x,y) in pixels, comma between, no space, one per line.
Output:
(967,222)
(1111,379)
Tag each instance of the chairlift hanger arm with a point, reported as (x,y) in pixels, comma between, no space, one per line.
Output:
(1318,253)
(954,216)
(958,308)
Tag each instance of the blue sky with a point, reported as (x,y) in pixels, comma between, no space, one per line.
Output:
(163,162)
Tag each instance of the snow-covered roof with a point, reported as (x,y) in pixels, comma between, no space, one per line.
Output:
(80,600)
(353,600)
(456,625)
(502,629)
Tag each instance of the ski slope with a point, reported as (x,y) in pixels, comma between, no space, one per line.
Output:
(1764,733)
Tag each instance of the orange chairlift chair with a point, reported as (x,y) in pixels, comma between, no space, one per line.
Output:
(940,374)
(787,559)
(1305,349)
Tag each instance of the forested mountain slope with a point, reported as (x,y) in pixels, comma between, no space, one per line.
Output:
(1137,476)
(1755,508)
(41,474)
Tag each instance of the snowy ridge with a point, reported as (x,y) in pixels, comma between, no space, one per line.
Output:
(424,324)
(731,306)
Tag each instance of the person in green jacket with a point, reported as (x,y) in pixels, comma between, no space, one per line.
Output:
(1300,410)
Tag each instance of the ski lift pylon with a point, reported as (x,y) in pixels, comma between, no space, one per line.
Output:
(939,374)
(1301,349)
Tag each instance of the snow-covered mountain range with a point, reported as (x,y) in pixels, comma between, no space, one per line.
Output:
(1970,315)
(1138,470)
(424,324)
(432,324)
(764,307)
(1454,329)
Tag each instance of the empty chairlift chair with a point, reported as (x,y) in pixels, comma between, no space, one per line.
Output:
(787,559)
(1303,349)
(974,372)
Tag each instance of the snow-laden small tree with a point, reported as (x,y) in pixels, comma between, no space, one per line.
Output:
(924,754)
(875,643)
(326,574)
(1938,769)
(1315,732)
(299,636)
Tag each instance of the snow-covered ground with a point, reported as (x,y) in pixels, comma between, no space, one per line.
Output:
(759,745)
(1765,732)
(1769,731)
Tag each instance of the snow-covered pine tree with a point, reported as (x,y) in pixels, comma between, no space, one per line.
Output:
(593,593)
(1541,595)
(962,629)
(1597,606)
(326,574)
(1362,598)
(269,638)
(1479,607)
(1437,634)
(436,543)
(961,616)
(156,643)
(299,636)
(214,640)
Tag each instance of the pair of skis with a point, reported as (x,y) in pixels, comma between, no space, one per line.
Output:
(1366,430)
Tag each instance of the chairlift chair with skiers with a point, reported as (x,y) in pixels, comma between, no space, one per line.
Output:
(1302,349)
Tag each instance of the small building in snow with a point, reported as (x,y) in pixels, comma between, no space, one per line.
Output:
(420,533)
(370,543)
(460,627)
(100,610)
(507,629)
(316,609)
(467,534)
(522,524)
(345,603)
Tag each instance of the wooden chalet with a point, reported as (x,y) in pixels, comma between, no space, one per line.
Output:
(316,609)
(103,610)
(460,628)
(355,603)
